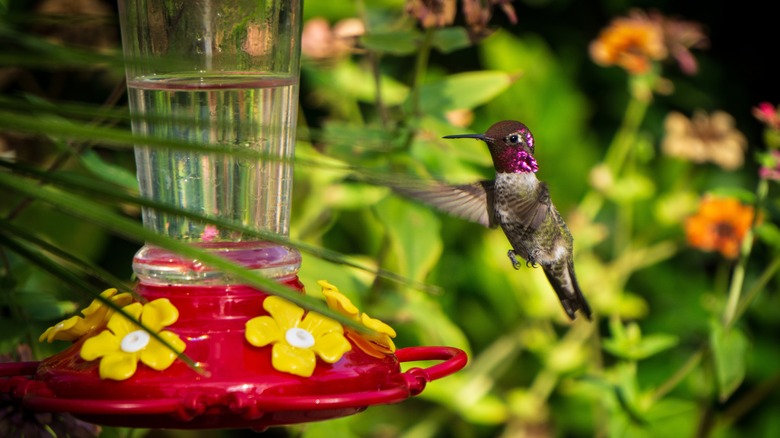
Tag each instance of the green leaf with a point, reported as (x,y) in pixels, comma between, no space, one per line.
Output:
(450,39)
(463,91)
(338,427)
(743,195)
(433,325)
(654,344)
(729,351)
(628,343)
(395,43)
(42,306)
(669,417)
(107,171)
(353,196)
(769,233)
(631,188)
(354,81)
(345,141)
(413,233)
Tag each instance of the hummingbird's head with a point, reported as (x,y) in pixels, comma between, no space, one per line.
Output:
(511,145)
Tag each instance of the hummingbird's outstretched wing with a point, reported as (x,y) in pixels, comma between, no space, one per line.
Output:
(472,202)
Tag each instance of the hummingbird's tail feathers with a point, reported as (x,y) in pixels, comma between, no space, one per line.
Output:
(569,292)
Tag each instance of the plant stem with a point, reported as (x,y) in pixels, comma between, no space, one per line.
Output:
(543,384)
(617,151)
(420,70)
(374,60)
(626,135)
(678,375)
(738,278)
(758,286)
(384,117)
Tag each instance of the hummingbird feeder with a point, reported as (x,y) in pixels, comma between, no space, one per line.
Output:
(221,73)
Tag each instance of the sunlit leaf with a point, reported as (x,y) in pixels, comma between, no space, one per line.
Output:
(669,417)
(353,196)
(432,324)
(350,79)
(672,208)
(413,233)
(628,343)
(463,91)
(672,417)
(319,429)
(631,188)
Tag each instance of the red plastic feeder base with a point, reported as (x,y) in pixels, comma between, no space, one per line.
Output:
(240,387)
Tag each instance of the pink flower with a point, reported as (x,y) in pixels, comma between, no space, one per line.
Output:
(767,113)
(771,166)
(209,233)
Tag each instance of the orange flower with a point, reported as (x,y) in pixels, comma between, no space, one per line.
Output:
(634,42)
(719,225)
(630,42)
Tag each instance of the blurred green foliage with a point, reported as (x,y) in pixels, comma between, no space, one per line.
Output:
(683,342)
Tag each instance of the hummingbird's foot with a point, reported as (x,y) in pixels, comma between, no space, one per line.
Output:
(513,258)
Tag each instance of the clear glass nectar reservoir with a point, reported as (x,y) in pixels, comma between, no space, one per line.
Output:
(222,75)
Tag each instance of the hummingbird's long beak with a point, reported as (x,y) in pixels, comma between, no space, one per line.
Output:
(476,136)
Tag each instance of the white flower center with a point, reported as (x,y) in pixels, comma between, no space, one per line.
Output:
(298,337)
(135,341)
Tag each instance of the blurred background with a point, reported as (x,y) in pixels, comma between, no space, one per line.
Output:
(655,126)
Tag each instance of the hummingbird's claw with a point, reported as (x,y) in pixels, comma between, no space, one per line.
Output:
(513,258)
(530,263)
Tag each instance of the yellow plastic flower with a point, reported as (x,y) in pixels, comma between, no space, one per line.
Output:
(377,344)
(125,342)
(92,317)
(297,340)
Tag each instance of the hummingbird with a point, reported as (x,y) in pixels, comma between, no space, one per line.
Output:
(519,203)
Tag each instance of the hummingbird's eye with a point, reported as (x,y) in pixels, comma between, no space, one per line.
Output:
(513,139)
